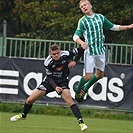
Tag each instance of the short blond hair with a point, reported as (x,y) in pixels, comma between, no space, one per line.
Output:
(83,1)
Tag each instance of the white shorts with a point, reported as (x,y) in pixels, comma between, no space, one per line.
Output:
(91,62)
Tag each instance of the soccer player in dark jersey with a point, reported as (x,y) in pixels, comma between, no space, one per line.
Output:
(57,66)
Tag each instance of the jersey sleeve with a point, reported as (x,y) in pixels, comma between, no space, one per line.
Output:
(47,66)
(77,52)
(107,24)
(80,29)
(51,81)
(48,72)
(80,54)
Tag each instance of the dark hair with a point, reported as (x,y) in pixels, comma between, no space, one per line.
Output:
(54,47)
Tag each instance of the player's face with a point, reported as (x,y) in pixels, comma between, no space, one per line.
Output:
(55,54)
(86,7)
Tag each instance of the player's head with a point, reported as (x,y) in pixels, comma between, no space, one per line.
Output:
(85,6)
(55,52)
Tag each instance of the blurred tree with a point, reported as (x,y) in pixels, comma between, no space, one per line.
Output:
(6,13)
(57,19)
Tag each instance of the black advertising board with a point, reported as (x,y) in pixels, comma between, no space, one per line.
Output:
(19,76)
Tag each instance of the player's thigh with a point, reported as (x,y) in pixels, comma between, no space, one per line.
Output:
(89,63)
(100,62)
(36,94)
(67,97)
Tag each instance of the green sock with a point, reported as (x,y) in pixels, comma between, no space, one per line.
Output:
(90,83)
(80,85)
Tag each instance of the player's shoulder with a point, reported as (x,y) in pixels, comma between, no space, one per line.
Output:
(64,52)
(82,18)
(48,60)
(101,16)
(98,14)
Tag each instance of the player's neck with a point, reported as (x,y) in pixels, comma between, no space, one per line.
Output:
(90,14)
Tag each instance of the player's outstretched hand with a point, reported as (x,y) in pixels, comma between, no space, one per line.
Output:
(131,26)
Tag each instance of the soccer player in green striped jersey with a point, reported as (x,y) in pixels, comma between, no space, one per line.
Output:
(91,26)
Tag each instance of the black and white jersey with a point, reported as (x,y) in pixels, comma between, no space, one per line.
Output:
(58,71)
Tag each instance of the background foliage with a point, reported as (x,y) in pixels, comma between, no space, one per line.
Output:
(57,19)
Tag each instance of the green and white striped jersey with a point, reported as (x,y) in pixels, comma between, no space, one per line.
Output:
(92,30)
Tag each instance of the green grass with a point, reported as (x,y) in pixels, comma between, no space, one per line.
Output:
(62,110)
(40,123)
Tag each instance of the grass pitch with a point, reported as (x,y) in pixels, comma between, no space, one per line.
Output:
(61,124)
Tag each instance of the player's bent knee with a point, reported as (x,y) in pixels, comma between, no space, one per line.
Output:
(29,100)
(99,76)
(69,102)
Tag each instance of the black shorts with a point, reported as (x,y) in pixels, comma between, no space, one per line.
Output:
(45,85)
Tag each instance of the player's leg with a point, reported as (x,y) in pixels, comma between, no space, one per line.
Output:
(89,67)
(80,85)
(93,80)
(80,94)
(78,89)
(69,101)
(36,94)
(100,66)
